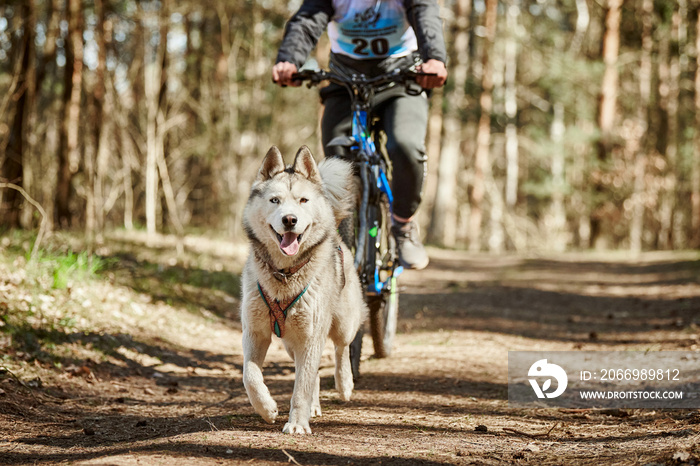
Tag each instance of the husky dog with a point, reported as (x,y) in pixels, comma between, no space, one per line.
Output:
(299,282)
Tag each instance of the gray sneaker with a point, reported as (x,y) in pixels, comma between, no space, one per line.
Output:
(412,254)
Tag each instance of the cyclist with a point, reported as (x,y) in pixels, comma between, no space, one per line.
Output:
(373,37)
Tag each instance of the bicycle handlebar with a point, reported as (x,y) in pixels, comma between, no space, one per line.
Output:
(399,76)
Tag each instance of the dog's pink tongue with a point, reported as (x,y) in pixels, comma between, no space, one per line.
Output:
(289,243)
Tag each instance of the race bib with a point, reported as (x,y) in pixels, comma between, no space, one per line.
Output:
(371,29)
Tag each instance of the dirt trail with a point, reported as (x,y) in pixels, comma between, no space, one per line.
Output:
(167,388)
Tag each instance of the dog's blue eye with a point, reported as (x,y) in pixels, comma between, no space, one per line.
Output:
(275,200)
(303,200)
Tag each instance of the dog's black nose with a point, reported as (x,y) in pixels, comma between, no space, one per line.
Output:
(289,221)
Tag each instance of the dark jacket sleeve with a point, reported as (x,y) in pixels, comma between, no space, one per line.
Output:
(424,17)
(303,31)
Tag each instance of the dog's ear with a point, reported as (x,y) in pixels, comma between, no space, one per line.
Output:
(305,165)
(272,165)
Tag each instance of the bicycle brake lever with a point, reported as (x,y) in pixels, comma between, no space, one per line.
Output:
(413,88)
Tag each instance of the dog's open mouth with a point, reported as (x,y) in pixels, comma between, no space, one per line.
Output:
(289,242)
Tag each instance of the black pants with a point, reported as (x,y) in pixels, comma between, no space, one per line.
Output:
(404,119)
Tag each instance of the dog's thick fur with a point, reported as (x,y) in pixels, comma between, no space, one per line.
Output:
(291,217)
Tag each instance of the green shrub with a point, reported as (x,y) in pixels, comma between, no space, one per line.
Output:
(72,268)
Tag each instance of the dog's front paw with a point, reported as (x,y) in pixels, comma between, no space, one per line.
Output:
(296,428)
(345,389)
(268,410)
(346,394)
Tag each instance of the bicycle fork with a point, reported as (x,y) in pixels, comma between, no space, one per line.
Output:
(375,232)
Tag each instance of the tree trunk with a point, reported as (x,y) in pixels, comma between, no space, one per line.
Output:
(609,88)
(556,229)
(11,164)
(574,173)
(669,91)
(46,76)
(69,157)
(29,134)
(607,107)
(104,97)
(511,103)
(583,18)
(230,46)
(640,157)
(482,162)
(695,174)
(89,149)
(164,175)
(128,159)
(443,227)
(154,60)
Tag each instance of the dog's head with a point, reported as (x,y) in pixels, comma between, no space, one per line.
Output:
(294,207)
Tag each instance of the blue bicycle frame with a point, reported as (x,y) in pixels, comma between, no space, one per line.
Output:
(361,134)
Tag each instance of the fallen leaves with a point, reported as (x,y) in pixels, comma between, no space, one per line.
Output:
(82,371)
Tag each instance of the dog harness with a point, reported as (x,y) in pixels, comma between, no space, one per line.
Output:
(278,309)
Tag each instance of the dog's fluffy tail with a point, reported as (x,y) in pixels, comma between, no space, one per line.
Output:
(338,183)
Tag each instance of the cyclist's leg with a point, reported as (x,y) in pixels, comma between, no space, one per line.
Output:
(336,122)
(405,122)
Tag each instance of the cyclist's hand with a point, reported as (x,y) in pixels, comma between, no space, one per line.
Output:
(282,74)
(432,66)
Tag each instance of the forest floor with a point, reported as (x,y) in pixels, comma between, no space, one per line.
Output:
(137,360)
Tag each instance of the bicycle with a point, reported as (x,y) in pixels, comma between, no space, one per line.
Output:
(368,233)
